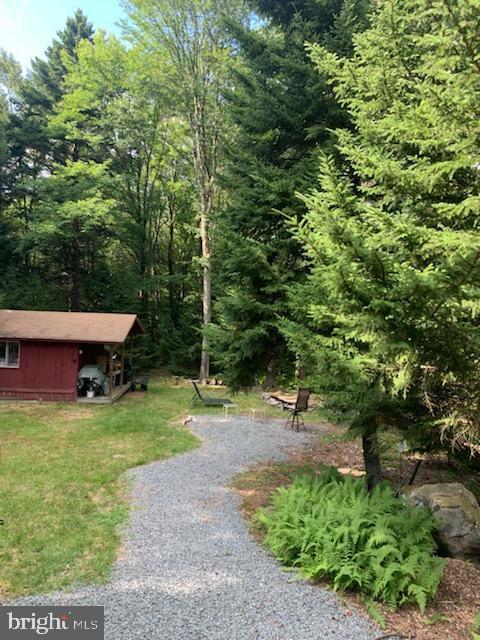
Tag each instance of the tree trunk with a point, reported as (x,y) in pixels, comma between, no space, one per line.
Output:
(371,458)
(204,160)
(271,377)
(75,293)
(299,370)
(207,290)
(170,265)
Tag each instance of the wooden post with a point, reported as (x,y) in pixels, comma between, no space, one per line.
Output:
(131,352)
(110,369)
(122,376)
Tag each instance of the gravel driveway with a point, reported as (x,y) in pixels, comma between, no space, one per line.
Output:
(190,570)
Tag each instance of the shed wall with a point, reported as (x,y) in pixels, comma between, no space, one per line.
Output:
(47,371)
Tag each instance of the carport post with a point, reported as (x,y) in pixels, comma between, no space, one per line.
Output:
(110,368)
(122,375)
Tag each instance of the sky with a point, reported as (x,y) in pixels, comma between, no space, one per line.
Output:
(27,27)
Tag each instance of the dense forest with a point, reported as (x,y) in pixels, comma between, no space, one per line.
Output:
(152,174)
(280,190)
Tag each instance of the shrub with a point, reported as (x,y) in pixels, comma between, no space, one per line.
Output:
(330,527)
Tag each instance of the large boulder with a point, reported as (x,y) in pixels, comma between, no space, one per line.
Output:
(458,514)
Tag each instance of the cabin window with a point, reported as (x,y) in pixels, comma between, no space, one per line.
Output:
(9,354)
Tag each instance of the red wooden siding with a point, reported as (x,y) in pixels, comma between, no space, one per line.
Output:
(47,371)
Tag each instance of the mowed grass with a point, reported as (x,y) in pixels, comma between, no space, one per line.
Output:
(61,495)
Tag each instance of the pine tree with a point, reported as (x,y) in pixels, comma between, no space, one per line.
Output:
(32,154)
(10,81)
(10,78)
(45,84)
(282,111)
(389,325)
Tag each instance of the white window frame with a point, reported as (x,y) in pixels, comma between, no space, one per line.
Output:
(6,365)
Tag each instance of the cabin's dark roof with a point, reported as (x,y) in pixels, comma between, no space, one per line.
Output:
(62,326)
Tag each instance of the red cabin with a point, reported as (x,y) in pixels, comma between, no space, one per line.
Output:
(41,352)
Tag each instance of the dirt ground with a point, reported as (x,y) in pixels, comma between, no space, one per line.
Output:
(450,615)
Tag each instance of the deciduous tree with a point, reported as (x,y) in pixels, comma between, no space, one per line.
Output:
(191,35)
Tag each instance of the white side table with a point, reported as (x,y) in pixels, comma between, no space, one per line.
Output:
(227,407)
(260,413)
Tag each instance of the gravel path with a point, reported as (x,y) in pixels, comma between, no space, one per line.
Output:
(190,570)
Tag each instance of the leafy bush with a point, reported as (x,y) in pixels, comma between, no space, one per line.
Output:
(330,527)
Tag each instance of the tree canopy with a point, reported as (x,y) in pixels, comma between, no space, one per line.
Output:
(171,172)
(389,322)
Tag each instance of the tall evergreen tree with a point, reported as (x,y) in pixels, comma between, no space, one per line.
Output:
(389,321)
(10,82)
(44,87)
(33,152)
(283,111)
(10,79)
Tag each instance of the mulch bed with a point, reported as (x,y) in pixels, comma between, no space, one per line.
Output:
(450,615)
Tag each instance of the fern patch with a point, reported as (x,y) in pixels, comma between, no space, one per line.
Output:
(329,527)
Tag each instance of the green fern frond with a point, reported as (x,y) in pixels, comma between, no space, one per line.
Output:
(329,526)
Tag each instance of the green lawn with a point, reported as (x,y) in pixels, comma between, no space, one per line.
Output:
(61,499)
(61,496)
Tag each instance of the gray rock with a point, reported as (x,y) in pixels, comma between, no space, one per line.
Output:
(458,515)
